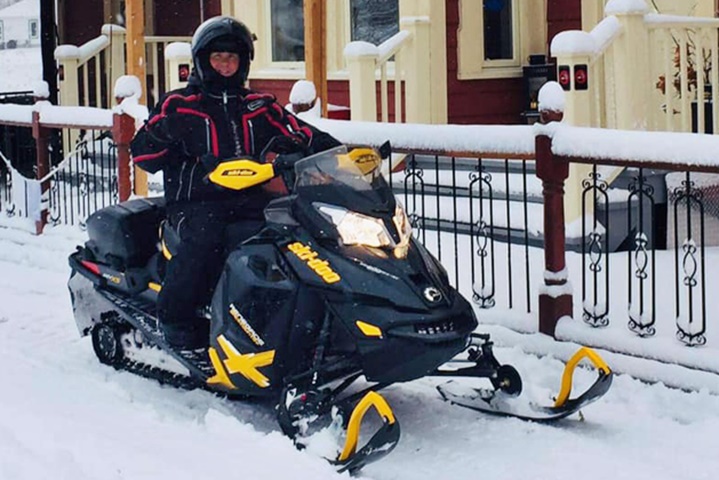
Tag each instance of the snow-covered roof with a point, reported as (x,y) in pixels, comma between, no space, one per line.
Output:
(22,9)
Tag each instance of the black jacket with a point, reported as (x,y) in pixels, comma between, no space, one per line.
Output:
(224,126)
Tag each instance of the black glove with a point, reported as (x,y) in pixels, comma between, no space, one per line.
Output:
(286,162)
(173,127)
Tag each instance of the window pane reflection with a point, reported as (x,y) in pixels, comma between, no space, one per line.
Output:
(374,21)
(288,31)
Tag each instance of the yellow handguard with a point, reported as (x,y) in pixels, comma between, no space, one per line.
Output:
(568,374)
(241,174)
(366,160)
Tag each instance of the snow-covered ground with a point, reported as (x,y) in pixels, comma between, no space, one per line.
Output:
(65,416)
(19,69)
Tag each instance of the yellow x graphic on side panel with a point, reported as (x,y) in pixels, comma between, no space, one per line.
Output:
(246,364)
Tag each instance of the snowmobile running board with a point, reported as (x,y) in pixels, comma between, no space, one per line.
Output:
(499,403)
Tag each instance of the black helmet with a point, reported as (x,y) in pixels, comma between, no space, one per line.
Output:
(222,34)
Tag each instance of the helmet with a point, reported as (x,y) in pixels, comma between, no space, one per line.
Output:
(226,34)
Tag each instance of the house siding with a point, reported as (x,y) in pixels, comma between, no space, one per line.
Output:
(184,18)
(337,90)
(496,101)
(81,20)
(563,15)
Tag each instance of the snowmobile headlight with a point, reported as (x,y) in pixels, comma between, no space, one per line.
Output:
(355,228)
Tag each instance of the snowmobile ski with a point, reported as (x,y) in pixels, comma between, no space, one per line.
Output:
(498,402)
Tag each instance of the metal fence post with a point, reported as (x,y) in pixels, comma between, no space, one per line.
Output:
(555,299)
(123,129)
(42,144)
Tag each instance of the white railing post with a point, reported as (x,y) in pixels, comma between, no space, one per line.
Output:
(632,80)
(178,58)
(116,60)
(418,88)
(68,58)
(361,60)
(574,51)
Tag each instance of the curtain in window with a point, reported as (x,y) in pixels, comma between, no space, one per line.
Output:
(288,31)
(374,21)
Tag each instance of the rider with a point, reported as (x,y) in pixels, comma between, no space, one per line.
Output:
(215,117)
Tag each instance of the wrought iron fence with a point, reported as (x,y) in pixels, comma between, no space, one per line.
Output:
(645,251)
(82,182)
(667,269)
(476,216)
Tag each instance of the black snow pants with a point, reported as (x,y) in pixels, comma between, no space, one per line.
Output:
(195,268)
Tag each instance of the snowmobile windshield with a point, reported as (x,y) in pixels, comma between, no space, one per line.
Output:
(349,191)
(351,179)
(337,167)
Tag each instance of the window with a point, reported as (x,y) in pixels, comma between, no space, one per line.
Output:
(34,29)
(498,30)
(374,21)
(2,33)
(288,30)
(495,37)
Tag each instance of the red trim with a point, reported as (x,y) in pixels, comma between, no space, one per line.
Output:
(91,266)
(279,126)
(149,156)
(295,125)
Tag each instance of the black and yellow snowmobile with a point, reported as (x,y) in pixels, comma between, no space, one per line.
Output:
(331,302)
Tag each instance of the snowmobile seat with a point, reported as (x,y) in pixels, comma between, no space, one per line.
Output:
(124,236)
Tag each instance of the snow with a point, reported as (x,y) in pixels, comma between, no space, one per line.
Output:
(41,89)
(22,9)
(67,52)
(573,42)
(127,86)
(303,91)
(66,416)
(551,97)
(360,49)
(26,65)
(620,7)
(178,50)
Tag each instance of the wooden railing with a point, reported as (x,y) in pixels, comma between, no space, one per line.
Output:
(646,71)
(89,71)
(409,75)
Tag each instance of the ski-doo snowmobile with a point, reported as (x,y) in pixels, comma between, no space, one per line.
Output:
(331,302)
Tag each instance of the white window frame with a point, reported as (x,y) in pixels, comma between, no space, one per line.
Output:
(529,37)
(37,29)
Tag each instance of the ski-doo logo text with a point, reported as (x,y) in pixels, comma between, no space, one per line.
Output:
(319,266)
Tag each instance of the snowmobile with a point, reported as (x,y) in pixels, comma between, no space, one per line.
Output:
(331,302)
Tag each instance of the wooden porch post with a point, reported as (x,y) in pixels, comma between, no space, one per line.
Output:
(123,129)
(135,22)
(315,12)
(42,144)
(555,298)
